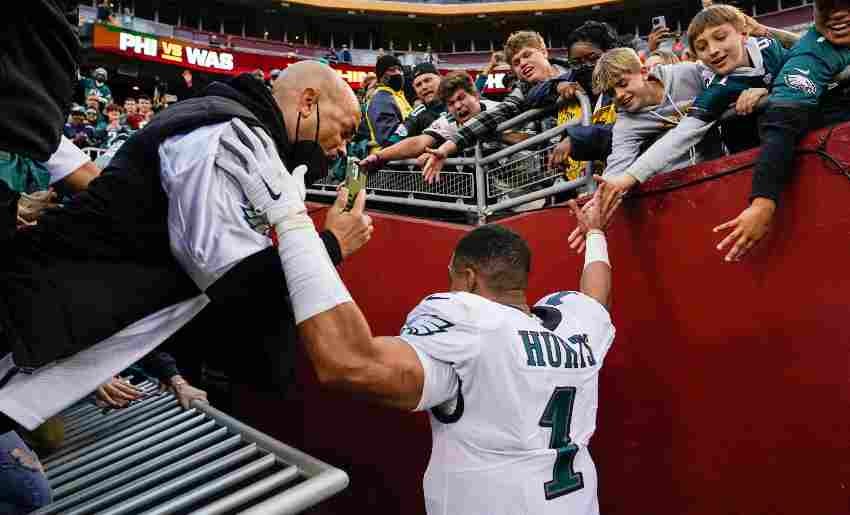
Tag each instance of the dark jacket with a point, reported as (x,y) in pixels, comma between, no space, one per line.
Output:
(103,261)
(39,54)
(422,117)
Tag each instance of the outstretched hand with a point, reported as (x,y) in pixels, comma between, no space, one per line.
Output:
(434,164)
(436,159)
(748,228)
(371,162)
(608,196)
(352,229)
(596,214)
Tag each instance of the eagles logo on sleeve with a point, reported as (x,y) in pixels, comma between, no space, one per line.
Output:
(426,325)
(801,83)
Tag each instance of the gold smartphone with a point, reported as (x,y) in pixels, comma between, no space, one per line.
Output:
(355,180)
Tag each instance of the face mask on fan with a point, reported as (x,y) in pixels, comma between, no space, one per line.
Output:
(583,74)
(395,82)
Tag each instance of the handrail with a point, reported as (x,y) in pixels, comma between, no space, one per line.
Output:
(487,190)
(539,112)
(530,142)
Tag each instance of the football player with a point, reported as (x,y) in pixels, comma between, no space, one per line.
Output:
(512,389)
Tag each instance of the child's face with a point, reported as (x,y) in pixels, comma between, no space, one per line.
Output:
(833,22)
(531,64)
(632,91)
(721,48)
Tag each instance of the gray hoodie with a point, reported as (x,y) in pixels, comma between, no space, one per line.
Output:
(634,132)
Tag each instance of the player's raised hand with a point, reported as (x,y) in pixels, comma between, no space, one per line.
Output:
(352,229)
(597,213)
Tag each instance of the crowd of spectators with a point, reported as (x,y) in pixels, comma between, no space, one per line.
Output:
(655,108)
(652,112)
(100,119)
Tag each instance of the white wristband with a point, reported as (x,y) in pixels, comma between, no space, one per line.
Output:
(596,248)
(313,282)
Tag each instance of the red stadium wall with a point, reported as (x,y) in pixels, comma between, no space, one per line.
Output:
(726,390)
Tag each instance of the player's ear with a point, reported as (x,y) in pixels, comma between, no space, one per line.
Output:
(471,278)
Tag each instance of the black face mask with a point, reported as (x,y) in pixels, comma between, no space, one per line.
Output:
(309,153)
(583,74)
(395,82)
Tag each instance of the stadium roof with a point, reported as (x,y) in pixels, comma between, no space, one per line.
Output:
(451,9)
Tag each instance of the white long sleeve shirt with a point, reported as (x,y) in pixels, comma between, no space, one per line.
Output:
(209,234)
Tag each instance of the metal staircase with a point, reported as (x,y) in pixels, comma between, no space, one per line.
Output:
(154,457)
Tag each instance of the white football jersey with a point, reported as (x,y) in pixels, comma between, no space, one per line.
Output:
(514,402)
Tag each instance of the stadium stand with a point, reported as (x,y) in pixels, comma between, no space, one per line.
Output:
(303,35)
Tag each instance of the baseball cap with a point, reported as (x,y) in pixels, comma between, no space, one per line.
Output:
(78,110)
(423,68)
(274,73)
(100,72)
(384,63)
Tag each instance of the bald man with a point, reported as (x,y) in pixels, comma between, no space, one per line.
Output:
(164,249)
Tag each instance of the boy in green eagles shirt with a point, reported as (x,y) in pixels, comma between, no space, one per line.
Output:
(804,96)
(741,68)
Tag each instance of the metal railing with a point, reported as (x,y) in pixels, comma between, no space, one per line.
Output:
(481,185)
(156,458)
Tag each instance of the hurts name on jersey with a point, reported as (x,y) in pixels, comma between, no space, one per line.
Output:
(545,349)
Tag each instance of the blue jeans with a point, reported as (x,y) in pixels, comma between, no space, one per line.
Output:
(23,486)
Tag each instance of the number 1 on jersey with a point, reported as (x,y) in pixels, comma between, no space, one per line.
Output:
(558,415)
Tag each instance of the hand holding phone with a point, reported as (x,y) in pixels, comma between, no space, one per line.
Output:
(355,180)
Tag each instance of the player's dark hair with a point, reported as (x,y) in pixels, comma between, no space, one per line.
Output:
(597,33)
(500,255)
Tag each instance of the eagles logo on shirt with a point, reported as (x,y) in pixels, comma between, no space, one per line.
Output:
(426,325)
(801,83)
